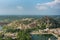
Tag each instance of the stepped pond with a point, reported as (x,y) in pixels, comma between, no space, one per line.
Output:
(43,37)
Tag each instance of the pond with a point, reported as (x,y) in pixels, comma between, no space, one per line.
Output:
(43,37)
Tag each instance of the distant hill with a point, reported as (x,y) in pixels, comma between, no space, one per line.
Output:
(49,22)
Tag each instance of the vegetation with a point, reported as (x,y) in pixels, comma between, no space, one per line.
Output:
(23,27)
(22,35)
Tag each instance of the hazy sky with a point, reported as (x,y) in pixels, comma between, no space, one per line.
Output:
(29,7)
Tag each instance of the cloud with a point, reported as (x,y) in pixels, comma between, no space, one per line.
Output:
(53,4)
(11,10)
(41,7)
(20,8)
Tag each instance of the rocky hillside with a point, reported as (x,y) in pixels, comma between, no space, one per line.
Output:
(28,23)
(48,22)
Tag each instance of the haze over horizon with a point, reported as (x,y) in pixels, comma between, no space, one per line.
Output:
(29,7)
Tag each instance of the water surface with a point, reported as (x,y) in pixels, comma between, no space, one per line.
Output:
(43,37)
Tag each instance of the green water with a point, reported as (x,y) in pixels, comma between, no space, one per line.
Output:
(43,37)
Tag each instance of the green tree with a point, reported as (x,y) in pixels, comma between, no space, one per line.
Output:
(22,35)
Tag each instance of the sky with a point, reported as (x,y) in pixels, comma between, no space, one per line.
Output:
(29,7)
